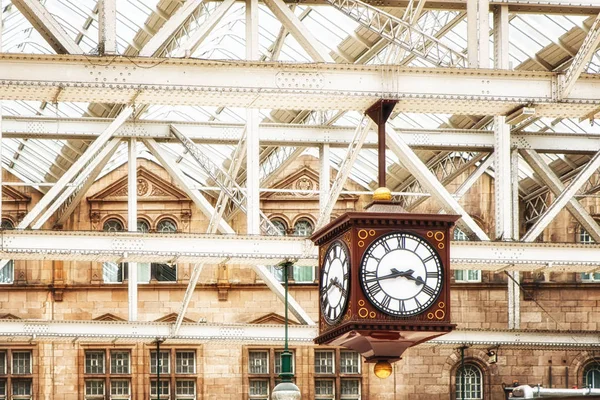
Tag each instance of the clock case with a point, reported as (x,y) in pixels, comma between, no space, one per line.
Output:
(363,328)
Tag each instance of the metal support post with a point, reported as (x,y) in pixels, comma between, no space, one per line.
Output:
(483,33)
(324,176)
(132,275)
(472,48)
(379,113)
(501,43)
(107,27)
(252,172)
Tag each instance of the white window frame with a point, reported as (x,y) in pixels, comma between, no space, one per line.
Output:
(177,352)
(168,371)
(94,396)
(259,396)
(358,362)
(478,374)
(325,396)
(350,396)
(333,369)
(128,366)
(252,363)
(30,366)
(120,396)
(185,396)
(163,383)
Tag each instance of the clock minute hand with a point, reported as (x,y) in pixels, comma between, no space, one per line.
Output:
(395,273)
(418,279)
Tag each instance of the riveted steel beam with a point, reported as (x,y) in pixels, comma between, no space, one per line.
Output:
(276,85)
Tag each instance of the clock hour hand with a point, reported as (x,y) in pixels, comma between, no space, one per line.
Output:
(335,282)
(418,279)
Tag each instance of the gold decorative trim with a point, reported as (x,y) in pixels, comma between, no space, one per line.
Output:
(361,303)
(429,234)
(441,304)
(372,314)
(440,314)
(439,236)
(440,246)
(430,315)
(372,232)
(361,243)
(363,234)
(363,312)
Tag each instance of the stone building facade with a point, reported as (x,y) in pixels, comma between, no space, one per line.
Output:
(127,369)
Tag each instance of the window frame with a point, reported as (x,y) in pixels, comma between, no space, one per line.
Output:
(271,376)
(8,224)
(592,365)
(337,376)
(464,275)
(11,379)
(107,376)
(583,237)
(173,377)
(457,382)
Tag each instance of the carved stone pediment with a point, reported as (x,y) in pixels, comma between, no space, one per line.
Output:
(109,317)
(272,319)
(12,195)
(303,179)
(172,318)
(150,187)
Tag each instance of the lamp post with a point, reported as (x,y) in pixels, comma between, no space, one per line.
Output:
(286,390)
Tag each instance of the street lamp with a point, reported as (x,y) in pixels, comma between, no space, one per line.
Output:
(286,390)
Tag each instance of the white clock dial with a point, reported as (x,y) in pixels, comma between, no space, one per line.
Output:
(335,282)
(401,274)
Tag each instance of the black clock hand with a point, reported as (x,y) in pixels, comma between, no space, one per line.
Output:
(335,282)
(418,279)
(395,273)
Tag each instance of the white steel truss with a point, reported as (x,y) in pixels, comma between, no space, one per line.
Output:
(340,179)
(393,29)
(290,86)
(556,186)
(50,29)
(416,167)
(226,183)
(140,331)
(270,250)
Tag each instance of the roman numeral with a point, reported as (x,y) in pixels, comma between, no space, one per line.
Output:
(344,293)
(386,246)
(418,303)
(432,275)
(331,313)
(428,290)
(337,251)
(402,307)
(386,301)
(401,242)
(374,289)
(427,259)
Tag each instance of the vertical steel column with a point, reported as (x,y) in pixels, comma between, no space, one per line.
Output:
(501,44)
(506,167)
(132,227)
(107,27)
(379,113)
(483,33)
(324,176)
(472,48)
(252,133)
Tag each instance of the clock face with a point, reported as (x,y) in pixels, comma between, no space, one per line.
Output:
(401,274)
(335,282)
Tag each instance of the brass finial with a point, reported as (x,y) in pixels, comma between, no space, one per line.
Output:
(382,194)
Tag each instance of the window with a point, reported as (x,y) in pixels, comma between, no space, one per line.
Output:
(7,272)
(264,367)
(337,374)
(113,272)
(165,272)
(107,372)
(591,376)
(16,374)
(465,275)
(303,273)
(178,368)
(280,225)
(473,382)
(166,225)
(585,238)
(303,227)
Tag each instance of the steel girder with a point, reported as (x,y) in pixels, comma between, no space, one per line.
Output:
(425,47)
(50,29)
(276,85)
(270,250)
(292,134)
(225,182)
(581,59)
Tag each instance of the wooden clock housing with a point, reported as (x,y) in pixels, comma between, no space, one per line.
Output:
(363,328)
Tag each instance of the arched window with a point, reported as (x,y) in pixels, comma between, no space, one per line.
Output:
(165,272)
(472,378)
(280,225)
(461,275)
(7,273)
(143,226)
(166,225)
(113,272)
(585,238)
(112,225)
(591,376)
(303,227)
